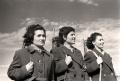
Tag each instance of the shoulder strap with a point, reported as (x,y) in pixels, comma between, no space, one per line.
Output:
(95,54)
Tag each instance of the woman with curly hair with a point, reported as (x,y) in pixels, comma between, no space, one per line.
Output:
(32,62)
(98,63)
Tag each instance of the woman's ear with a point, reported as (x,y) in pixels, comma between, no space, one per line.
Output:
(93,42)
(64,38)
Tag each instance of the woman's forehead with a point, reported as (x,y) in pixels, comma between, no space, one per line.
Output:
(39,32)
(99,37)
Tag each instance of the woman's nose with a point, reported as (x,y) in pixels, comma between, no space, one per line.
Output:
(73,35)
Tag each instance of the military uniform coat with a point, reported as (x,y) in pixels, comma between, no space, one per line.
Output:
(93,68)
(43,68)
(71,72)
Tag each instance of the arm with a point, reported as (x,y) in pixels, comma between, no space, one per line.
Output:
(91,63)
(61,65)
(16,71)
(108,61)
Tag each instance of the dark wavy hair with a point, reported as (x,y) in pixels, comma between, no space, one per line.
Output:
(91,39)
(29,35)
(63,32)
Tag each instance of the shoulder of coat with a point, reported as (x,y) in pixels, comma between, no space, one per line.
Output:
(21,51)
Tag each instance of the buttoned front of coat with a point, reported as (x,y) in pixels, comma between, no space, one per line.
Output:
(42,68)
(71,72)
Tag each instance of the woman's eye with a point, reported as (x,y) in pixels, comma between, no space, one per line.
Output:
(101,40)
(72,34)
(41,35)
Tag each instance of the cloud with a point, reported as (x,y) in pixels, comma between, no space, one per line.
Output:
(105,26)
(29,21)
(88,2)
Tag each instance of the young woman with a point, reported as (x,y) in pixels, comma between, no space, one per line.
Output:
(69,60)
(98,62)
(32,62)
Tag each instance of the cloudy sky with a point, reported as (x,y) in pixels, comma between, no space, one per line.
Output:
(12,12)
(86,16)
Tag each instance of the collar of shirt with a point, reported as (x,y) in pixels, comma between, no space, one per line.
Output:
(32,48)
(97,49)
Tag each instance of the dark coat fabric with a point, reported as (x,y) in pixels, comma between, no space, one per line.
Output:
(93,68)
(43,68)
(71,72)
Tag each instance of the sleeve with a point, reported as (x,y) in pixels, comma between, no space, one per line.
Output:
(61,66)
(91,63)
(16,71)
(108,60)
(51,75)
(113,70)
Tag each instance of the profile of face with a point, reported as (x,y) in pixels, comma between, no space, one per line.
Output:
(99,42)
(70,39)
(39,38)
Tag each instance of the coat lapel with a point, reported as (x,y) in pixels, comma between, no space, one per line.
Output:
(106,59)
(73,54)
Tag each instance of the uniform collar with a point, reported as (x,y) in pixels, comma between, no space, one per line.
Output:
(32,48)
(64,47)
(101,53)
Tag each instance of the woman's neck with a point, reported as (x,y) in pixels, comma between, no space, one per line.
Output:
(37,47)
(100,50)
(68,46)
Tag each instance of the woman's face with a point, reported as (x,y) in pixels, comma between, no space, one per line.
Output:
(70,39)
(99,42)
(39,38)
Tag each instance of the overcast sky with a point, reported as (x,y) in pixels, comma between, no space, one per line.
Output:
(13,12)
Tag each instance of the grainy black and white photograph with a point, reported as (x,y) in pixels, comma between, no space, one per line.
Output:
(59,40)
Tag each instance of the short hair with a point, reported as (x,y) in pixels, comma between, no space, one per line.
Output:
(64,32)
(29,35)
(91,39)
